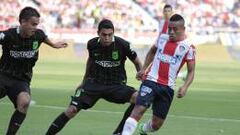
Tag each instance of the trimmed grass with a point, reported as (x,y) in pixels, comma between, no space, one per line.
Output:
(211,106)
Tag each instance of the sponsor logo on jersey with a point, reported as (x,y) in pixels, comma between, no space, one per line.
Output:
(182,48)
(115,55)
(108,63)
(145,90)
(167,58)
(35,45)
(2,36)
(23,54)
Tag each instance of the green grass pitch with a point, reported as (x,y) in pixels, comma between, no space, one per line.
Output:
(211,106)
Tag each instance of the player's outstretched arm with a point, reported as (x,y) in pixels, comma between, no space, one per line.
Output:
(149,57)
(138,65)
(148,60)
(190,75)
(57,44)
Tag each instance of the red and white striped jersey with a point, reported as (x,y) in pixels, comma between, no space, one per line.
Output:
(163,27)
(168,60)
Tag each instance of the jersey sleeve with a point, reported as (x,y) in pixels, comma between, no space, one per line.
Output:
(131,54)
(42,36)
(191,54)
(3,37)
(89,48)
(162,38)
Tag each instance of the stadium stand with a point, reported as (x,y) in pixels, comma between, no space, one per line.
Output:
(207,20)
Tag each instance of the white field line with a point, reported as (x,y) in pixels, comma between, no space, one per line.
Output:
(115,112)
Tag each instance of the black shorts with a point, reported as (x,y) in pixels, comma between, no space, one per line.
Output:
(90,92)
(12,87)
(160,96)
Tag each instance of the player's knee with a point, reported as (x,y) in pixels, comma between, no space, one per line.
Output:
(156,125)
(23,102)
(134,97)
(23,105)
(71,111)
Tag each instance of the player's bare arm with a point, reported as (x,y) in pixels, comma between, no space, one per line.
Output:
(57,45)
(190,75)
(148,61)
(149,57)
(138,65)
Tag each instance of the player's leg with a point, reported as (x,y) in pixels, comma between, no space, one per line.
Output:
(19,94)
(151,126)
(160,107)
(81,100)
(3,89)
(62,120)
(132,121)
(21,104)
(144,99)
(127,113)
(121,94)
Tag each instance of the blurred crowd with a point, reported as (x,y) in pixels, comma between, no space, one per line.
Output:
(199,13)
(85,14)
(76,14)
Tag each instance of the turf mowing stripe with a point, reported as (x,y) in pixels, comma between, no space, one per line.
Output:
(112,112)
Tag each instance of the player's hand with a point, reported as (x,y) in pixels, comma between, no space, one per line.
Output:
(60,45)
(182,91)
(139,75)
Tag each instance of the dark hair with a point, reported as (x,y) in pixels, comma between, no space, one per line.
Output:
(105,23)
(167,6)
(28,12)
(176,17)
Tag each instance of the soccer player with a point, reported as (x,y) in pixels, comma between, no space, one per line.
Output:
(105,76)
(162,64)
(20,48)
(163,23)
(163,29)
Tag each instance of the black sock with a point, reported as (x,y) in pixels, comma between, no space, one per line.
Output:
(58,124)
(15,122)
(127,113)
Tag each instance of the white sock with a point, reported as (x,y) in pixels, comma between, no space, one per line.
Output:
(147,127)
(129,126)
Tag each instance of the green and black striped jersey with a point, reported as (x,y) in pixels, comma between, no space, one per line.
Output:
(19,54)
(108,65)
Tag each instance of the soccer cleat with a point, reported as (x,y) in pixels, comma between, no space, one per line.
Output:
(140,129)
